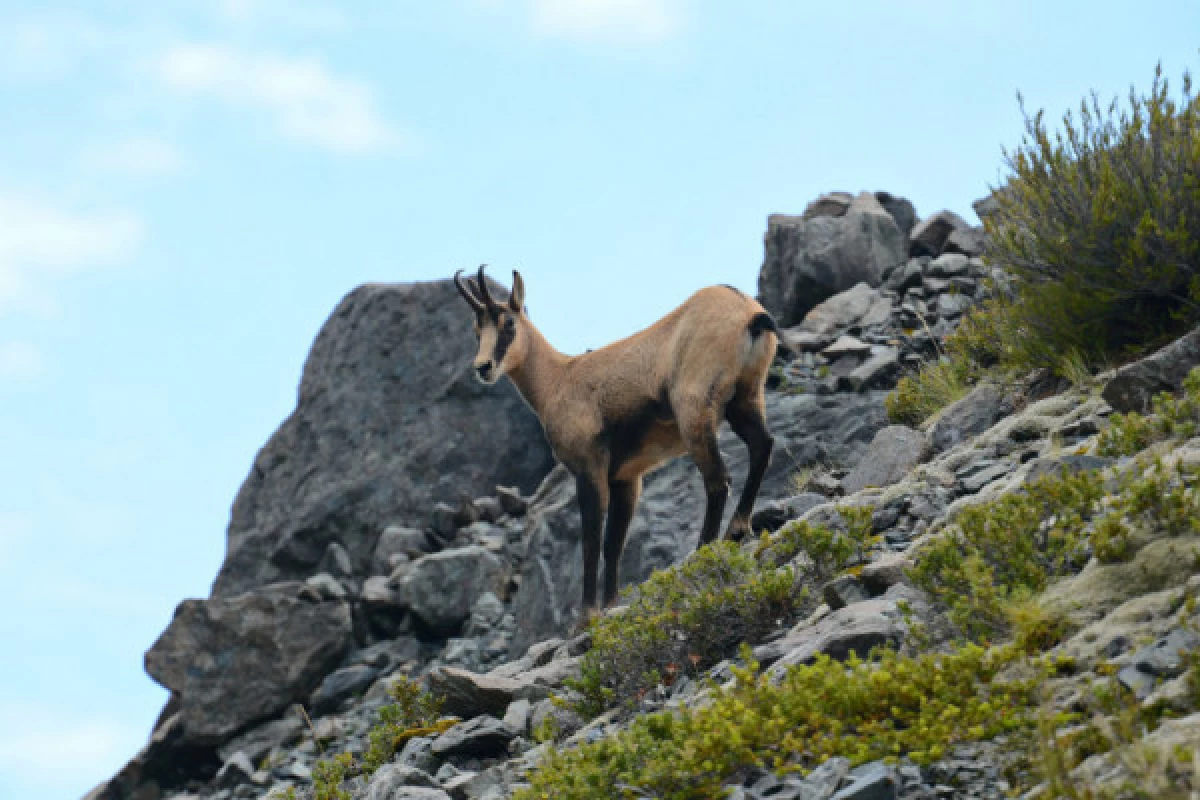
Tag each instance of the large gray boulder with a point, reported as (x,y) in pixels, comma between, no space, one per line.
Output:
(389,421)
(1134,385)
(235,660)
(808,430)
(809,260)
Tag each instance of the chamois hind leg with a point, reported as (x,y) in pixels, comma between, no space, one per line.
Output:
(593,503)
(623,497)
(700,437)
(747,417)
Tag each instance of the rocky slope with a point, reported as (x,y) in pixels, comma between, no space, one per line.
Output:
(405,521)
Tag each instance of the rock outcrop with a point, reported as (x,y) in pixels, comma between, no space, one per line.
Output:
(389,421)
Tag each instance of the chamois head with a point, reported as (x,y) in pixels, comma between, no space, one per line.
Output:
(500,326)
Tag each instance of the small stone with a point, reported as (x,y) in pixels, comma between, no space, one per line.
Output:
(875,781)
(236,770)
(844,590)
(340,684)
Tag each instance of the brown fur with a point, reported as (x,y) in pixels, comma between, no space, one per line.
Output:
(615,413)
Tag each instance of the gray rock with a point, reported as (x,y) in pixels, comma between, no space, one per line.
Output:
(397,540)
(841,310)
(773,516)
(902,212)
(1134,385)
(1066,464)
(885,572)
(259,741)
(978,479)
(952,305)
(929,235)
(948,265)
(418,752)
(469,694)
(236,660)
(483,736)
(808,430)
(854,629)
(846,345)
(517,715)
(833,204)
(807,261)
(236,770)
(441,588)
(875,781)
(892,453)
(877,371)
(340,684)
(843,591)
(393,780)
(563,721)
(968,241)
(389,420)
(1165,658)
(908,276)
(982,408)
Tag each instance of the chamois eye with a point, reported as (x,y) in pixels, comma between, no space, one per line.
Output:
(509,323)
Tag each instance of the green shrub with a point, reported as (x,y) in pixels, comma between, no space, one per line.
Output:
(1172,417)
(414,712)
(884,707)
(1006,550)
(328,774)
(828,551)
(934,386)
(1003,552)
(1099,224)
(682,621)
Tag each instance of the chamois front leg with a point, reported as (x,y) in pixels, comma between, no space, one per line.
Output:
(593,504)
(623,497)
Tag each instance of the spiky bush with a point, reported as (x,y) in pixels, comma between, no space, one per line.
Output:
(682,621)
(1099,222)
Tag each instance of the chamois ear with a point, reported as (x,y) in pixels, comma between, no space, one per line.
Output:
(516,300)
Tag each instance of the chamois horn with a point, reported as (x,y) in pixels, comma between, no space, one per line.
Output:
(484,294)
(471,299)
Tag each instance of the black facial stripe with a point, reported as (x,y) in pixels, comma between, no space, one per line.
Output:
(504,337)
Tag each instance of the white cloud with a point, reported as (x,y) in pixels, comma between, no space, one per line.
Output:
(45,748)
(41,244)
(619,21)
(137,155)
(308,103)
(18,360)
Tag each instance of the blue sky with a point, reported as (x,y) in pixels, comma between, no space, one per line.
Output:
(187,189)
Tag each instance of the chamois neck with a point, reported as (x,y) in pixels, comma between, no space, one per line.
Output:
(540,372)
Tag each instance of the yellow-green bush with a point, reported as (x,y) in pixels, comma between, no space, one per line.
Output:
(682,621)
(1173,417)
(937,384)
(1099,223)
(1000,553)
(413,712)
(888,706)
(828,551)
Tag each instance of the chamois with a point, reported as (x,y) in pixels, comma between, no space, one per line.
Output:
(615,413)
